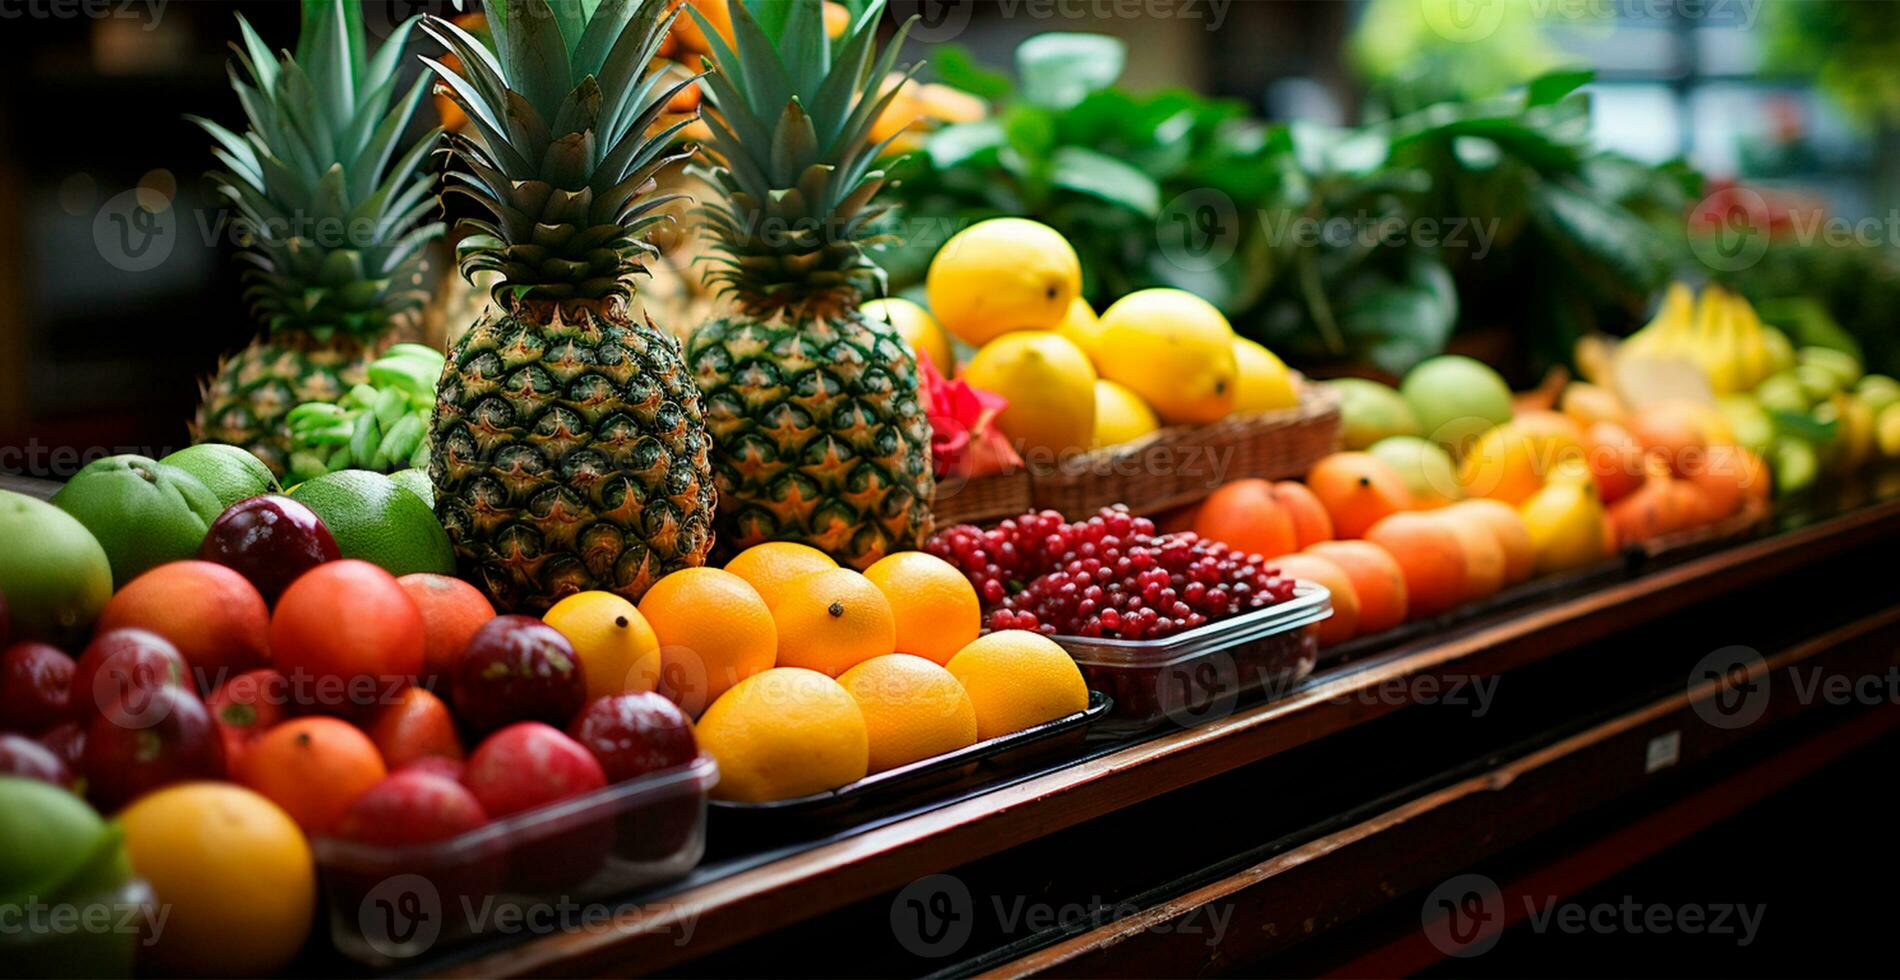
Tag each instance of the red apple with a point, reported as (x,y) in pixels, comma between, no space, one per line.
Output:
(21,756)
(119,662)
(411,807)
(247,706)
(270,540)
(518,668)
(35,687)
(634,734)
(150,738)
(66,740)
(529,764)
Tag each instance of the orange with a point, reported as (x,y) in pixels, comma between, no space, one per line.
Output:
(1311,523)
(1377,580)
(782,733)
(1484,556)
(1431,557)
(1243,515)
(314,768)
(212,614)
(233,874)
(1615,459)
(1556,436)
(1726,476)
(1507,528)
(417,726)
(1343,624)
(913,709)
(1018,679)
(618,649)
(1676,430)
(832,621)
(452,610)
(934,606)
(714,632)
(1358,491)
(769,566)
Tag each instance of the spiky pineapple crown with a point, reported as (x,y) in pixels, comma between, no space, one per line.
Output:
(332,214)
(795,162)
(565,160)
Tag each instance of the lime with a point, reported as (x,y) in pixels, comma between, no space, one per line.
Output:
(47,836)
(53,572)
(416,481)
(373,518)
(143,512)
(1456,398)
(1370,411)
(230,473)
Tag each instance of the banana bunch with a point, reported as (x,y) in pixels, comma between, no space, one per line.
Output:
(1718,332)
(382,425)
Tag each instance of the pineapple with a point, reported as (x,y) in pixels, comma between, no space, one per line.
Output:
(569,450)
(331,205)
(816,411)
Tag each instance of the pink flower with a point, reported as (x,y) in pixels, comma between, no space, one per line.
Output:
(964,440)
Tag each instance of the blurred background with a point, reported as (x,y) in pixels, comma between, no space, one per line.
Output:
(1751,141)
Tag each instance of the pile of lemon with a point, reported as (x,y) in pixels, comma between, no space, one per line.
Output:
(805,676)
(1011,289)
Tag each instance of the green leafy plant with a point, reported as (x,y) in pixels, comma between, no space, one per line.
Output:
(382,425)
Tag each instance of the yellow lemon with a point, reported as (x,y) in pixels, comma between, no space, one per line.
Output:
(770,566)
(782,733)
(618,649)
(1001,275)
(1083,328)
(1565,521)
(1265,382)
(1018,679)
(832,621)
(918,328)
(934,606)
(913,709)
(1050,385)
(1175,350)
(1120,415)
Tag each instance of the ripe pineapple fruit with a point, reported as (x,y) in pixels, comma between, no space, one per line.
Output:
(569,449)
(332,206)
(816,408)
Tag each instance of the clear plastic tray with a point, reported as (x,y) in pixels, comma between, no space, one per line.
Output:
(525,872)
(1201,674)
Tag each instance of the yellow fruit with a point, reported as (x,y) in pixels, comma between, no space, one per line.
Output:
(1083,328)
(1887,431)
(1586,403)
(918,328)
(1565,521)
(783,733)
(1050,385)
(1120,415)
(1001,275)
(913,709)
(618,649)
(232,872)
(1018,679)
(1175,350)
(1265,383)
(832,621)
(933,605)
(1501,465)
(714,632)
(770,566)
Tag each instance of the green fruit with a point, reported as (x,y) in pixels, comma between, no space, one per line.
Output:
(1456,399)
(1818,382)
(143,512)
(1887,432)
(48,837)
(1853,441)
(1748,421)
(1370,411)
(1780,349)
(416,481)
(230,473)
(53,572)
(375,519)
(1845,368)
(1878,391)
(1795,464)
(1783,393)
(1425,467)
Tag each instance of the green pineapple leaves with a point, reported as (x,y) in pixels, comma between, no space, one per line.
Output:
(329,201)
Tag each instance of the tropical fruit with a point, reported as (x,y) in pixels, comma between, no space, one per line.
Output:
(1175,350)
(1431,557)
(714,631)
(1050,386)
(1083,328)
(416,481)
(1565,521)
(1507,529)
(233,872)
(313,768)
(913,709)
(230,473)
(771,566)
(934,607)
(1246,515)
(817,411)
(1358,491)
(919,329)
(1424,466)
(53,572)
(783,733)
(568,449)
(1120,415)
(619,650)
(1000,275)
(832,621)
(1016,680)
(1264,383)
(381,425)
(1370,411)
(142,512)
(1311,523)
(1377,581)
(1343,624)
(55,850)
(1455,398)
(379,522)
(213,615)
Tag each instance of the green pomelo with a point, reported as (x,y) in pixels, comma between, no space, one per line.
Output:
(143,512)
(416,481)
(53,572)
(1456,399)
(230,473)
(373,518)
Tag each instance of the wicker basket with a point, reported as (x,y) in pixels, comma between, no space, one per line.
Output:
(1169,468)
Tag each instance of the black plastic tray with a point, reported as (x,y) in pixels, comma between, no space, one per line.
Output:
(904,786)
